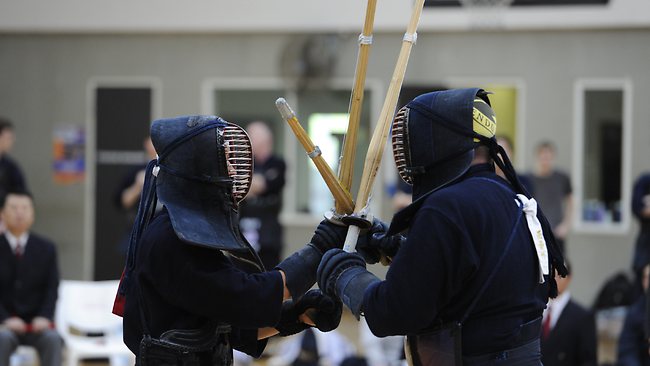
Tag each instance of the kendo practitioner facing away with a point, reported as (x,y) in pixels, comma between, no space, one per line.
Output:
(469,282)
(193,288)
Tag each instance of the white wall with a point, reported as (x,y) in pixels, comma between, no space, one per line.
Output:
(253,16)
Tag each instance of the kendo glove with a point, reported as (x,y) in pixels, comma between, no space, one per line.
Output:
(300,267)
(344,276)
(323,310)
(375,245)
(329,235)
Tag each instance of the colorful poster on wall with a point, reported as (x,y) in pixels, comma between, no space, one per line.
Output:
(69,143)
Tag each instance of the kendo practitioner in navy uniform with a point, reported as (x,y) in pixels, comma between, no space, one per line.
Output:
(468,284)
(193,288)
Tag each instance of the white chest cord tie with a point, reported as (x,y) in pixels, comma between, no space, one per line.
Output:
(535,228)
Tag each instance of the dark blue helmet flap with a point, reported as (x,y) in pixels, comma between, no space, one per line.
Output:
(193,181)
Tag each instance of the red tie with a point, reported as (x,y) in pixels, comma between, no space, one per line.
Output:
(546,327)
(19,250)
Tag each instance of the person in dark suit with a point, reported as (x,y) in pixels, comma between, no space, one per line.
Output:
(29,280)
(568,330)
(260,211)
(11,176)
(633,341)
(641,211)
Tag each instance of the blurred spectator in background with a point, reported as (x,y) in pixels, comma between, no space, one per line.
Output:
(260,211)
(312,347)
(29,279)
(552,190)
(568,330)
(633,342)
(11,176)
(402,196)
(506,143)
(384,351)
(641,210)
(128,193)
(647,316)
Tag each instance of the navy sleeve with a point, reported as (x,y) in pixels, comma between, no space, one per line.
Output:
(51,291)
(391,307)
(5,253)
(641,188)
(587,342)
(631,343)
(203,281)
(245,340)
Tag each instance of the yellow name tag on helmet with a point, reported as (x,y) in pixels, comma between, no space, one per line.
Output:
(485,120)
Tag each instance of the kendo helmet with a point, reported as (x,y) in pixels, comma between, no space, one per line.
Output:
(435,134)
(434,137)
(204,169)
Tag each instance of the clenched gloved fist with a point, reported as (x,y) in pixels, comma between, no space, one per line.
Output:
(323,310)
(329,235)
(300,267)
(344,276)
(375,244)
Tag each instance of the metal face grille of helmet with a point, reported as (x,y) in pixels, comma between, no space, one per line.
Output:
(239,158)
(401,144)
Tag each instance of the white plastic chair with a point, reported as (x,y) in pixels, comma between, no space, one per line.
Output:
(84,307)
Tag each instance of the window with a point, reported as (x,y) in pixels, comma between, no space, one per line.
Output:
(602,150)
(330,107)
(328,129)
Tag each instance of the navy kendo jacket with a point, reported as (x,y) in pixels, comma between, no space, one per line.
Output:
(187,287)
(454,241)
